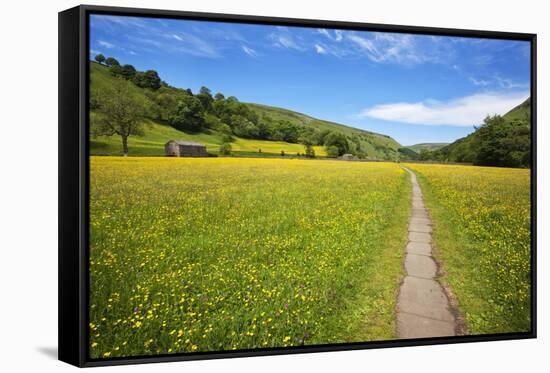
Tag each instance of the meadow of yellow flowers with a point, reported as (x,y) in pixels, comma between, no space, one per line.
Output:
(194,255)
(481,218)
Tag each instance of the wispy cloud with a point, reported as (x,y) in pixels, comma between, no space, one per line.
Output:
(391,48)
(510,84)
(105,44)
(190,44)
(320,49)
(463,111)
(336,35)
(285,40)
(479,82)
(251,52)
(156,35)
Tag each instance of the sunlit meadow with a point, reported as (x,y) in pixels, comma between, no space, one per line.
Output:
(481,219)
(191,255)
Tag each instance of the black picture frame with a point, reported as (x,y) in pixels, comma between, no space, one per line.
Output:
(74,182)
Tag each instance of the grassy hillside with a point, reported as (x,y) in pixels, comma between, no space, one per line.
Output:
(504,141)
(158,133)
(375,144)
(431,146)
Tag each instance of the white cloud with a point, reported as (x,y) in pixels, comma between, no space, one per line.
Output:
(394,48)
(189,44)
(251,52)
(320,49)
(480,82)
(509,83)
(338,35)
(464,111)
(286,41)
(105,44)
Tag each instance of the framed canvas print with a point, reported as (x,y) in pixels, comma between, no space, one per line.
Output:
(236,185)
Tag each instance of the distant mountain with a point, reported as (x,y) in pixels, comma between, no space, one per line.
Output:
(501,141)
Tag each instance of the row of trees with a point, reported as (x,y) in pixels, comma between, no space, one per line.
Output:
(143,79)
(200,112)
(497,142)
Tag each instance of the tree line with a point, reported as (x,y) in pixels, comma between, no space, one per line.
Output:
(499,142)
(196,112)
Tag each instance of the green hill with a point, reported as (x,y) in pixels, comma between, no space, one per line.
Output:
(500,141)
(375,145)
(158,130)
(431,146)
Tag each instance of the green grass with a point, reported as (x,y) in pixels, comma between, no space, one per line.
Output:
(481,218)
(156,135)
(225,253)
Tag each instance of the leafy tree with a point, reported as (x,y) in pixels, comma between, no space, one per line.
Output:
(425,154)
(219,96)
(286,131)
(242,127)
(310,152)
(128,72)
(338,140)
(120,110)
(110,61)
(332,151)
(225,148)
(503,143)
(205,90)
(100,58)
(206,99)
(147,79)
(188,115)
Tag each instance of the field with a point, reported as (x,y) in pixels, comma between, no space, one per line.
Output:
(481,219)
(190,255)
(156,135)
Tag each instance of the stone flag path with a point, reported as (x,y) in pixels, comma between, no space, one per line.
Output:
(423,309)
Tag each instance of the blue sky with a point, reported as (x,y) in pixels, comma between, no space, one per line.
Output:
(414,88)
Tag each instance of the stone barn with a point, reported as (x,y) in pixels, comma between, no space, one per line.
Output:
(179,148)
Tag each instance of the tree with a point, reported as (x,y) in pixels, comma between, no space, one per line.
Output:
(425,154)
(503,143)
(310,152)
(100,58)
(147,79)
(205,90)
(338,140)
(332,151)
(128,72)
(225,148)
(120,110)
(188,115)
(110,61)
(219,97)
(205,96)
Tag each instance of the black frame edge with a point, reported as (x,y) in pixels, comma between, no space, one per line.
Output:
(74,183)
(69,190)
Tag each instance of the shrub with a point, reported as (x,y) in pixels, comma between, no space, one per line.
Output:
(225,148)
(333,151)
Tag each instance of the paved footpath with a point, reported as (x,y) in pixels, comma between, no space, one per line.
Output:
(423,309)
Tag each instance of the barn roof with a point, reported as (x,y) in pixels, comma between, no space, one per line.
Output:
(183,142)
